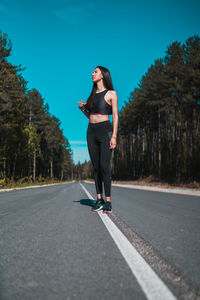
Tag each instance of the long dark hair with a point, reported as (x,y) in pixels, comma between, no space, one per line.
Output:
(107,81)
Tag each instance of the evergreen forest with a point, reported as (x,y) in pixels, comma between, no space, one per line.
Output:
(159,125)
(32,144)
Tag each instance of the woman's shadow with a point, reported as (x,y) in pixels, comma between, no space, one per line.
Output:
(86,202)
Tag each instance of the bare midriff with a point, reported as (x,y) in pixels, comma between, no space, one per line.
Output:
(96,118)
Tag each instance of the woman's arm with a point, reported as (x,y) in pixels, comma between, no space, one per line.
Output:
(81,106)
(115,120)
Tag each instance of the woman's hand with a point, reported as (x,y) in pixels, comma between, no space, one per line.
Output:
(112,143)
(81,104)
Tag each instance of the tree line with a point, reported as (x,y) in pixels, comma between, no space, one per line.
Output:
(32,144)
(159,125)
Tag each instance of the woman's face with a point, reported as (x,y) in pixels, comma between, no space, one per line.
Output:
(97,75)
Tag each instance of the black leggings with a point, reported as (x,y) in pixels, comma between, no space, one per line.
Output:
(98,140)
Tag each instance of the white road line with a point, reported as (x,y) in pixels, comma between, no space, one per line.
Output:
(152,286)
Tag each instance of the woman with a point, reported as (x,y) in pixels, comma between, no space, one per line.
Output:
(101,137)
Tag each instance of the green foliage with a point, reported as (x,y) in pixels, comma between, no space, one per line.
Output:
(40,178)
(83,171)
(2,182)
(33,138)
(5,46)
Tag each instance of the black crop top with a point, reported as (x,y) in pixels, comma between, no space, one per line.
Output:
(100,105)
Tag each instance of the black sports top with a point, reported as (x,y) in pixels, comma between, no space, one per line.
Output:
(99,105)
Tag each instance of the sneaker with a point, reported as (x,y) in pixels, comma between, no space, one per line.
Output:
(98,205)
(108,207)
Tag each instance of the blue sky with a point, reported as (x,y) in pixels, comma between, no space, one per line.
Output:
(60,42)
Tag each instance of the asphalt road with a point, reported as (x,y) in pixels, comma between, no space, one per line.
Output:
(53,247)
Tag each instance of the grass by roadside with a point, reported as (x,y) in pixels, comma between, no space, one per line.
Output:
(156,183)
(14,185)
(152,181)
